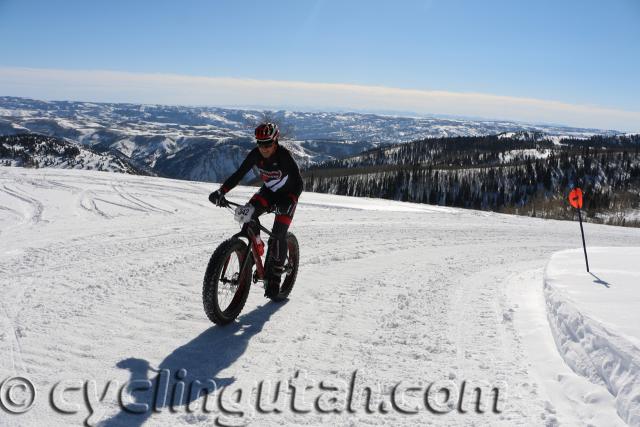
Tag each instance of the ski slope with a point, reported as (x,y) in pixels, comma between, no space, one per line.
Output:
(101,275)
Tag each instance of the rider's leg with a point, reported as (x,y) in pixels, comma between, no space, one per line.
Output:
(278,242)
(277,254)
(261,205)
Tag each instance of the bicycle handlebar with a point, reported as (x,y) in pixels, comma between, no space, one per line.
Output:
(228,203)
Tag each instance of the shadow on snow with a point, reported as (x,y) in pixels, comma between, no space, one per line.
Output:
(201,359)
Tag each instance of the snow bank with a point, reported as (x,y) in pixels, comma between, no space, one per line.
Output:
(595,320)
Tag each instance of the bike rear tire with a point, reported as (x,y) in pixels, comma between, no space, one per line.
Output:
(291,264)
(223,279)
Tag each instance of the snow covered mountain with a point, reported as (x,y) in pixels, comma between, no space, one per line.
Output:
(205,143)
(34,150)
(101,278)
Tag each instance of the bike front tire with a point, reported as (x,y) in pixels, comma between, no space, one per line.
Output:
(225,288)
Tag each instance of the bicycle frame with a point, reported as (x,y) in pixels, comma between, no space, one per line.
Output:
(252,248)
(224,293)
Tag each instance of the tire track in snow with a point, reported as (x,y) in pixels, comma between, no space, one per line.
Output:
(15,348)
(109,249)
(36,206)
(118,282)
(120,205)
(14,213)
(485,340)
(149,205)
(136,201)
(87,202)
(48,182)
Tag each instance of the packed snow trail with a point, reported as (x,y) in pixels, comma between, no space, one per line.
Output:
(101,279)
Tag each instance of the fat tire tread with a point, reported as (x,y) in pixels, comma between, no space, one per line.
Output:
(212,276)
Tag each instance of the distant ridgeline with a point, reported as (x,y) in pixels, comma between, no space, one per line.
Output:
(33,150)
(520,173)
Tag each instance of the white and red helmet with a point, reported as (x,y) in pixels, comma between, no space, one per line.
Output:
(267,133)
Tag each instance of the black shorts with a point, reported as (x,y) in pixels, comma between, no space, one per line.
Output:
(283,205)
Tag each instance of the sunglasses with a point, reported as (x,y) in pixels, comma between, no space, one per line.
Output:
(265,144)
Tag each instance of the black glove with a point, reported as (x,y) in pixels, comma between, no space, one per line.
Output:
(217,198)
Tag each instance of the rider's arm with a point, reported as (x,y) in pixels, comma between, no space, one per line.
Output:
(294,173)
(246,165)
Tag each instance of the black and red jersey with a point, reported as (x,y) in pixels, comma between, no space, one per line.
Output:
(280,172)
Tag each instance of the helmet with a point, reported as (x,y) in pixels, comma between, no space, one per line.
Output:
(266,133)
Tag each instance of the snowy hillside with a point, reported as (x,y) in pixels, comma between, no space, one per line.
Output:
(180,141)
(101,280)
(33,150)
(508,175)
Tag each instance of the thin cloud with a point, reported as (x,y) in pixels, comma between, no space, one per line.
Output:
(115,86)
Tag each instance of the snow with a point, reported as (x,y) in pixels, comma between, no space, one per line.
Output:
(66,124)
(632,214)
(595,320)
(10,112)
(217,117)
(126,146)
(531,153)
(554,139)
(101,276)
(571,398)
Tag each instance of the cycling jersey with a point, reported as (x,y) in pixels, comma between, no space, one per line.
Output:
(279,172)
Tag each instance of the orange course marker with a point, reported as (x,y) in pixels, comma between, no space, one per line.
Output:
(575,198)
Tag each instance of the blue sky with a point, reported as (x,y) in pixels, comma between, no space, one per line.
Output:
(580,57)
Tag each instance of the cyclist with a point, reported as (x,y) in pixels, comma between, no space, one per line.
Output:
(279,194)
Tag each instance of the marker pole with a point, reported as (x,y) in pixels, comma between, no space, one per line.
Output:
(584,246)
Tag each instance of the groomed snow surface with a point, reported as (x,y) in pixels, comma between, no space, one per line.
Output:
(100,301)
